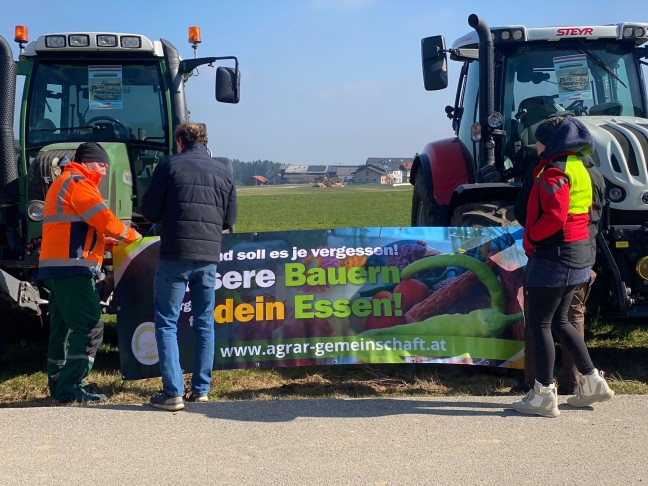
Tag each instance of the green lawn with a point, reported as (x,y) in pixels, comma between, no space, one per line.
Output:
(299,207)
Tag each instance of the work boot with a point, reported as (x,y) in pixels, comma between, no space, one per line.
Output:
(52,382)
(541,400)
(84,397)
(592,388)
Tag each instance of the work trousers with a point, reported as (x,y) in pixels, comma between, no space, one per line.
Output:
(76,332)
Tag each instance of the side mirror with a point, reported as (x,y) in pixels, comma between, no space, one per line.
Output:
(435,63)
(228,84)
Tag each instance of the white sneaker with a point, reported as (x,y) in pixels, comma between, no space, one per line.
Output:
(542,400)
(592,388)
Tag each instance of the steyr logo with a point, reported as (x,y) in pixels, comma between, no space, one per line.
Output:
(574,31)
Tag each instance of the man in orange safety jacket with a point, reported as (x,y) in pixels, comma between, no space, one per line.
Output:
(76,221)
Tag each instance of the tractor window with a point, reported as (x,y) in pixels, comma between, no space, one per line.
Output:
(593,79)
(102,102)
(469,106)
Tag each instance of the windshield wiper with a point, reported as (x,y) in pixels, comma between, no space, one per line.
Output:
(592,56)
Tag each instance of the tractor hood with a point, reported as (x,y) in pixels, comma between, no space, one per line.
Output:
(621,155)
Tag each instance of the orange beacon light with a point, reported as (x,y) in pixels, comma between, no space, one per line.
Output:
(194,35)
(21,34)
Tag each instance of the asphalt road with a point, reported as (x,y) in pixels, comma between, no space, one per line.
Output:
(457,440)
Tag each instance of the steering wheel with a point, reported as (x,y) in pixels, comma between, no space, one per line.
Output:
(118,127)
(577,107)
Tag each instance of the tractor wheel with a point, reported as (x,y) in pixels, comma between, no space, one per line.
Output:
(496,213)
(425,210)
(17,325)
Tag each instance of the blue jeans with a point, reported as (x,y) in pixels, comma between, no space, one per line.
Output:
(171,281)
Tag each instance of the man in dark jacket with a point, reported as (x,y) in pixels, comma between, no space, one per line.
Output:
(193,197)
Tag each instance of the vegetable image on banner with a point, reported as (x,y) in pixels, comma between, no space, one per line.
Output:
(343,296)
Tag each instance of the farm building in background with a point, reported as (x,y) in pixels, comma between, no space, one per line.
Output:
(342,172)
(255,181)
(302,174)
(383,171)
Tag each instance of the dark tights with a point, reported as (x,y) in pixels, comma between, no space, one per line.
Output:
(548,309)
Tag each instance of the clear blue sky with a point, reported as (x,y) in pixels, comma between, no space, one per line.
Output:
(323,81)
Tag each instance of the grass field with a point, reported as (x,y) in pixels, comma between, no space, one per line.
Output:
(620,350)
(303,207)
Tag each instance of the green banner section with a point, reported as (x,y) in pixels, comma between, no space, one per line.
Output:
(386,349)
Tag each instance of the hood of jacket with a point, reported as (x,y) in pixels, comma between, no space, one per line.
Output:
(570,136)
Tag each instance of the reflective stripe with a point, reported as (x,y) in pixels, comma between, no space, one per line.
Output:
(93,210)
(124,233)
(552,189)
(62,218)
(61,194)
(69,262)
(81,356)
(56,361)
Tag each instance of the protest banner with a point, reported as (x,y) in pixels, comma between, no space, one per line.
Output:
(341,296)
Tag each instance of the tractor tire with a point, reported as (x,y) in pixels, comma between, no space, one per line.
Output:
(496,213)
(17,325)
(425,210)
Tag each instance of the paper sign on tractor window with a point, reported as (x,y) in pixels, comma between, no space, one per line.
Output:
(573,79)
(105,87)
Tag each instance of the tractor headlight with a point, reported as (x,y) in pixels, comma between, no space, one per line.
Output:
(495,120)
(131,41)
(55,41)
(616,194)
(79,40)
(105,40)
(35,210)
(641,267)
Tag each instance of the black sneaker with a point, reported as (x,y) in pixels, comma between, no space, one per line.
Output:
(166,402)
(520,387)
(196,397)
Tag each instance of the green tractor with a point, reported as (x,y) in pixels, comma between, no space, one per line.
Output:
(121,90)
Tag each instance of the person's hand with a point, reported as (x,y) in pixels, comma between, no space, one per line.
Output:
(109,243)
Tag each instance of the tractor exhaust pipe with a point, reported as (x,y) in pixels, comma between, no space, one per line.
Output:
(486,87)
(8,166)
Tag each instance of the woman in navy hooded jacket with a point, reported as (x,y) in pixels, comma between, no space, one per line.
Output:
(557,244)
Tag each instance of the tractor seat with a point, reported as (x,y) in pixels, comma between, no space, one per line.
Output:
(43,130)
(531,113)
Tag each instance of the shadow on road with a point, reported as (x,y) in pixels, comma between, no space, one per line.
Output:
(288,410)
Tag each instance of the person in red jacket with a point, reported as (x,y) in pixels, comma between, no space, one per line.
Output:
(74,224)
(558,246)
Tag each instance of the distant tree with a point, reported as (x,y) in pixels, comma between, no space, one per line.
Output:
(245,170)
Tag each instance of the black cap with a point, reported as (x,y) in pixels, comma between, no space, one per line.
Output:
(91,152)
